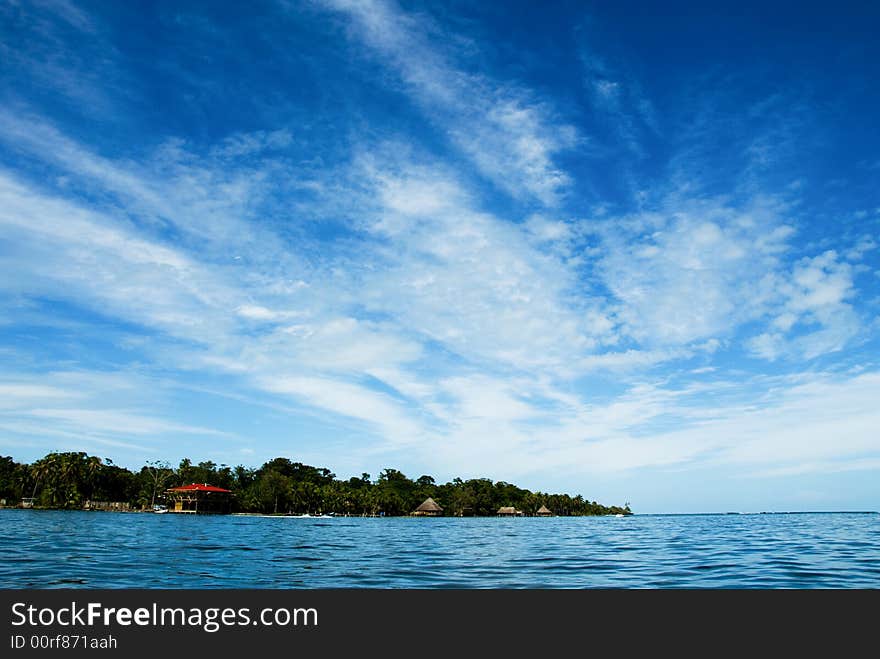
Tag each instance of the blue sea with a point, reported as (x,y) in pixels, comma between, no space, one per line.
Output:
(72,549)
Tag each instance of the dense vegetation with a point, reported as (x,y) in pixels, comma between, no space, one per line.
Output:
(68,480)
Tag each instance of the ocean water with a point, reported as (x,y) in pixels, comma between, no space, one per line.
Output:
(67,549)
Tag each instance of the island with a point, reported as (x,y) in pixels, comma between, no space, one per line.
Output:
(76,480)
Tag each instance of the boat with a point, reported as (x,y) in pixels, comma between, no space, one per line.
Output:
(159,509)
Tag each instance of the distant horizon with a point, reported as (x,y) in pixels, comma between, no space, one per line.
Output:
(772,512)
(627,250)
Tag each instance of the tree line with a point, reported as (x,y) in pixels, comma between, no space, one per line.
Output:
(69,480)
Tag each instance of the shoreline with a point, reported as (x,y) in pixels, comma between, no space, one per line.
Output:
(350,516)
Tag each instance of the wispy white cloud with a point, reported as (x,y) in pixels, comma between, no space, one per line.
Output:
(60,246)
(813,298)
(69,13)
(510,136)
(693,270)
(246,144)
(37,44)
(378,411)
(630,359)
(699,269)
(619,100)
(823,420)
(76,410)
(864,245)
(471,281)
(114,421)
(11,393)
(201,197)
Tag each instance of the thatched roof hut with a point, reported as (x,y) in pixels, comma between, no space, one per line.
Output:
(428,508)
(544,511)
(508,511)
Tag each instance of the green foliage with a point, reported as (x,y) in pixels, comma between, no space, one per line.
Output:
(152,480)
(14,480)
(68,480)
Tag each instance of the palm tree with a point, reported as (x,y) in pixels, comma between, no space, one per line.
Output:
(159,473)
(93,467)
(71,476)
(44,472)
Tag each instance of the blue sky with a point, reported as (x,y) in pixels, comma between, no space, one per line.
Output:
(619,249)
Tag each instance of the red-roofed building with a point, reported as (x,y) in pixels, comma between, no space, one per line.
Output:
(198,498)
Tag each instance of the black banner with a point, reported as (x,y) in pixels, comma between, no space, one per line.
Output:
(241,622)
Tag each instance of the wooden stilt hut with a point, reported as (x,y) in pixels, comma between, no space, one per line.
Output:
(428,508)
(199,498)
(544,511)
(508,511)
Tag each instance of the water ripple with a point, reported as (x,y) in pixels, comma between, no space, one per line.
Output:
(56,549)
